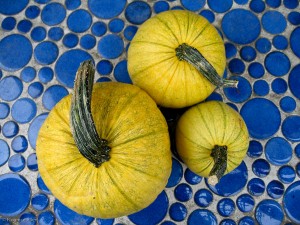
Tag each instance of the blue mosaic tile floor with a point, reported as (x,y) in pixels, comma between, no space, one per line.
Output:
(42,43)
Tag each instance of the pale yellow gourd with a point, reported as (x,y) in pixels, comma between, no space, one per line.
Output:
(212,139)
(178,58)
(130,167)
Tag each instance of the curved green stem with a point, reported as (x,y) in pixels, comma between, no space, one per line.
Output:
(85,135)
(195,58)
(219,154)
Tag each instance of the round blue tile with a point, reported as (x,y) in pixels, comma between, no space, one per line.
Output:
(256,70)
(277,63)
(256,186)
(32,12)
(105,221)
(53,95)
(161,6)
(255,149)
(16,200)
(208,14)
(278,151)
(87,41)
(193,5)
(219,6)
(263,45)
(32,162)
(280,42)
(24,26)
(12,7)
(10,129)
(67,216)
(55,33)
(226,207)
(121,73)
(246,220)
(35,89)
(290,4)
(286,174)
(70,40)
(4,152)
(241,93)
(279,86)
(106,9)
(105,49)
(232,183)
(262,117)
(227,222)
(154,213)
(15,52)
(269,212)
(241,26)
(24,110)
(8,23)
(202,216)
(4,110)
(273,3)
(176,173)
(34,128)
(72,58)
(53,14)
(99,28)
(230,50)
(16,163)
(261,87)
(291,199)
(104,67)
(191,177)
(261,168)
(45,74)
(290,128)
(11,88)
(46,52)
(203,197)
(275,189)
(273,22)
(257,6)
(287,104)
(38,34)
(294,81)
(294,18)
(245,203)
(79,21)
(41,185)
(248,53)
(116,25)
(137,12)
(46,218)
(19,144)
(28,74)
(178,211)
(39,201)
(27,218)
(129,32)
(183,192)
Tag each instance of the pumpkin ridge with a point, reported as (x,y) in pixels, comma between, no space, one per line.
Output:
(120,189)
(167,26)
(206,168)
(179,26)
(143,71)
(154,43)
(200,33)
(192,141)
(205,123)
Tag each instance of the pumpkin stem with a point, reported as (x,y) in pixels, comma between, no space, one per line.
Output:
(196,59)
(219,154)
(85,135)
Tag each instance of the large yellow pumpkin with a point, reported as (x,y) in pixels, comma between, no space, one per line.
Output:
(212,139)
(116,158)
(178,58)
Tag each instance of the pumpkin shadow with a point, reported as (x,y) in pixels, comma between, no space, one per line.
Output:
(172,116)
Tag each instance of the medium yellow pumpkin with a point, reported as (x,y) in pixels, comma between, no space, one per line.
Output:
(116,159)
(178,58)
(212,139)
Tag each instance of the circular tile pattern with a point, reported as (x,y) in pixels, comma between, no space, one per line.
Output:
(235,25)
(261,41)
(15,52)
(269,212)
(278,151)
(290,199)
(39,201)
(17,198)
(262,117)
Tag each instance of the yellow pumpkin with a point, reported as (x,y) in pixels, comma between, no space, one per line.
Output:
(178,58)
(105,154)
(212,139)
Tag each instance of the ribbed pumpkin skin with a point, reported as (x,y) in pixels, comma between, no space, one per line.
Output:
(140,162)
(154,66)
(208,124)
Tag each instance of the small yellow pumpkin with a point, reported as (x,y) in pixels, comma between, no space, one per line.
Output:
(178,58)
(212,139)
(104,152)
